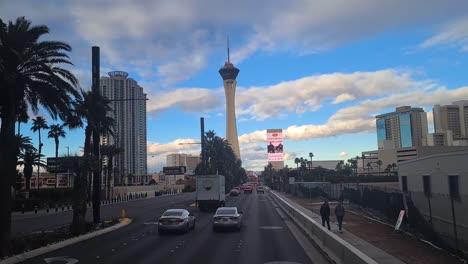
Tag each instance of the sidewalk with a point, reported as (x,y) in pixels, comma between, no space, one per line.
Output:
(365,234)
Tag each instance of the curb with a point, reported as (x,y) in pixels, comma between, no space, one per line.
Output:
(61,244)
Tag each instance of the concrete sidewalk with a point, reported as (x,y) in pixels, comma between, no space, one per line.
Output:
(368,249)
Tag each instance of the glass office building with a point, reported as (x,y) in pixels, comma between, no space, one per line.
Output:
(406,127)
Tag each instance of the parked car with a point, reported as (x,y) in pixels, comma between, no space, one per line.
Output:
(176,220)
(260,189)
(227,217)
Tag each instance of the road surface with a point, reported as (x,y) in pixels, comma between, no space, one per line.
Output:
(266,237)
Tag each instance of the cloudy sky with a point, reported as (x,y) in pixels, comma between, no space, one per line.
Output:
(320,70)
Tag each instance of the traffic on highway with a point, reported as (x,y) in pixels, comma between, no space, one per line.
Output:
(247,229)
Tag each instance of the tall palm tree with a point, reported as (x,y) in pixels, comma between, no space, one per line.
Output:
(56,132)
(393,168)
(30,70)
(94,108)
(379,162)
(39,123)
(297,161)
(363,158)
(28,159)
(110,151)
(369,166)
(311,155)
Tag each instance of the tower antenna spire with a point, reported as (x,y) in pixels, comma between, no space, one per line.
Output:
(229,59)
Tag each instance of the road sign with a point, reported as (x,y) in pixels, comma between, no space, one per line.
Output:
(400,219)
(62,259)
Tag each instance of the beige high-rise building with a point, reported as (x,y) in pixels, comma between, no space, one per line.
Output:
(406,127)
(181,159)
(229,74)
(452,118)
(128,103)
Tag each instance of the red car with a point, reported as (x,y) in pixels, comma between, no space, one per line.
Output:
(248,189)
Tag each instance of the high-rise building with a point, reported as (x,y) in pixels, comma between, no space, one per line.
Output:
(406,127)
(453,118)
(229,74)
(128,103)
(181,159)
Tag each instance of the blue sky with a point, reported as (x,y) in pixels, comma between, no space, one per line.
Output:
(320,70)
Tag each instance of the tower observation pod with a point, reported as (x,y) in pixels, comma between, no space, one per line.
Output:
(229,74)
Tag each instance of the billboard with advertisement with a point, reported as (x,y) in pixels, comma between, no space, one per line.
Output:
(275,144)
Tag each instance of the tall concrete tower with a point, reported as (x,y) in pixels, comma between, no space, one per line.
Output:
(229,74)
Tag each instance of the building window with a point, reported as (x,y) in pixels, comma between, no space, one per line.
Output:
(454,190)
(427,185)
(404,183)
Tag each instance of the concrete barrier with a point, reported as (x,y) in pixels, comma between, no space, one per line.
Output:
(336,248)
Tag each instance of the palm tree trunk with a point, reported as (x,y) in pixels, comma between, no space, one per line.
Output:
(56,160)
(96,179)
(78,225)
(8,158)
(38,167)
(109,171)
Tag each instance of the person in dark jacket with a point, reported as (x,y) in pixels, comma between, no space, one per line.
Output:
(340,213)
(325,214)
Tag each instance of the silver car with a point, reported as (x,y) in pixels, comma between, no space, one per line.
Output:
(176,220)
(227,217)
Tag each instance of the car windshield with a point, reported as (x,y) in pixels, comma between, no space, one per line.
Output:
(226,212)
(173,213)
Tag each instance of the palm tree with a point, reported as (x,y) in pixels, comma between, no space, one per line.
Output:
(30,70)
(56,132)
(22,115)
(379,162)
(297,161)
(363,158)
(311,155)
(28,159)
(38,124)
(23,144)
(93,108)
(388,169)
(110,151)
(369,166)
(393,168)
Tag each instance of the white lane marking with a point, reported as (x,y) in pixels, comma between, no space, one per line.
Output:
(271,227)
(65,259)
(282,262)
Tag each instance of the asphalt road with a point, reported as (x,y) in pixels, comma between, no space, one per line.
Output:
(28,223)
(266,237)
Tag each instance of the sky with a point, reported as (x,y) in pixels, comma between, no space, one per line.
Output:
(320,70)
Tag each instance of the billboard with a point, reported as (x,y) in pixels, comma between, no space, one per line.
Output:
(174,170)
(275,144)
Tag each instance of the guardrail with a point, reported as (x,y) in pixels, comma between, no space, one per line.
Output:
(336,248)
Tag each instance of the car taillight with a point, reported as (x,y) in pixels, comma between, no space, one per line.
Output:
(180,221)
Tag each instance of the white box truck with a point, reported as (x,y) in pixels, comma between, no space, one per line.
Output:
(210,192)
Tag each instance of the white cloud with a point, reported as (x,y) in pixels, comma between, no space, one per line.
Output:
(454,33)
(182,34)
(343,98)
(344,154)
(188,99)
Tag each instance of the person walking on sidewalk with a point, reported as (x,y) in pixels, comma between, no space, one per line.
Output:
(340,213)
(325,214)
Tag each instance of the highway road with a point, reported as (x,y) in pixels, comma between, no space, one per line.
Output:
(266,237)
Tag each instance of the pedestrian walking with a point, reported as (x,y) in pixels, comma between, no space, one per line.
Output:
(340,213)
(325,214)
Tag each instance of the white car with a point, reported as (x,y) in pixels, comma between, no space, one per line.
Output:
(176,220)
(227,217)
